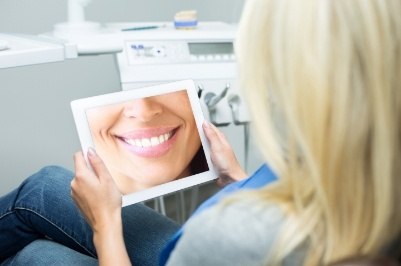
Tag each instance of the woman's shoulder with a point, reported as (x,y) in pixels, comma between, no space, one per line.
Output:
(240,232)
(247,215)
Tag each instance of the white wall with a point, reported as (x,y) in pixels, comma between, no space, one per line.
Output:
(37,128)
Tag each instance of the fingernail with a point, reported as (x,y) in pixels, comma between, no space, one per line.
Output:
(91,152)
(206,123)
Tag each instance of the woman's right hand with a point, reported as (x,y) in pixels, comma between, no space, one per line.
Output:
(222,156)
(98,198)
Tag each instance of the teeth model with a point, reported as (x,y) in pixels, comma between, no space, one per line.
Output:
(149,142)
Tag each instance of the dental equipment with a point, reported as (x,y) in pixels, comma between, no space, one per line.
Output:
(21,50)
(76,24)
(89,37)
(216,112)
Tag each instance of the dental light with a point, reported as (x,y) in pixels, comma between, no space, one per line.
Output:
(76,23)
(89,37)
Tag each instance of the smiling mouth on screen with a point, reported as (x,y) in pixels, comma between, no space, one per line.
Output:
(149,143)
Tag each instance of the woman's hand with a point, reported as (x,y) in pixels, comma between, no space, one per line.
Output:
(100,201)
(95,192)
(222,156)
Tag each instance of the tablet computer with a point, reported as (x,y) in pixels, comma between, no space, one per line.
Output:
(150,139)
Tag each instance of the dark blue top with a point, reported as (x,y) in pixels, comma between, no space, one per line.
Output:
(260,178)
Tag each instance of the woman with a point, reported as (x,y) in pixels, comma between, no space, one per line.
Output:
(148,141)
(324,81)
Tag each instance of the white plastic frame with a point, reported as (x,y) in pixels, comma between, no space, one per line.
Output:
(80,106)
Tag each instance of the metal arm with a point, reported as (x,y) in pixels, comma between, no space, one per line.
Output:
(211,99)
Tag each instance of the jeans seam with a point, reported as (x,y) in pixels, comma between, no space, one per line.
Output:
(5,214)
(56,226)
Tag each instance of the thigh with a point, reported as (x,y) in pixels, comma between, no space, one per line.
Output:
(146,233)
(46,252)
(42,207)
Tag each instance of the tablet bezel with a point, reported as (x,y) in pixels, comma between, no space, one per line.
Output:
(80,106)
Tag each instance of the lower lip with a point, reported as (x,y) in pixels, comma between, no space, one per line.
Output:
(151,152)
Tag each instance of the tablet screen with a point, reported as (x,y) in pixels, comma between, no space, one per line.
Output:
(150,138)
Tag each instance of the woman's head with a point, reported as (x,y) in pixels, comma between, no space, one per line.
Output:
(147,141)
(324,80)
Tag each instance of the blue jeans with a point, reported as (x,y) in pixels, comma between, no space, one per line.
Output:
(40,224)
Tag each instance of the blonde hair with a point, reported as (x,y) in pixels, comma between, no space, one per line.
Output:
(328,73)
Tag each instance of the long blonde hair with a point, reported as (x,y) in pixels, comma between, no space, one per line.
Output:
(328,73)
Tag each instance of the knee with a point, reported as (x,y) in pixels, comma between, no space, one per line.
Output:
(50,175)
(55,172)
(51,182)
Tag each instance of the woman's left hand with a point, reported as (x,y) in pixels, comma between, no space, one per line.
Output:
(95,192)
(222,156)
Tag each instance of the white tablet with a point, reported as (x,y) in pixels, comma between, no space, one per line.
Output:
(151,139)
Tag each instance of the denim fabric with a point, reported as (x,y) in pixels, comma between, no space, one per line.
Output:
(42,208)
(46,252)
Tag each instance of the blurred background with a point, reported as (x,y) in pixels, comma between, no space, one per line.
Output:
(37,127)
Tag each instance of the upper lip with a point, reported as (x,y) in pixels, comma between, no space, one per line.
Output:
(146,132)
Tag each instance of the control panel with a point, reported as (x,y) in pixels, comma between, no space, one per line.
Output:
(206,55)
(172,52)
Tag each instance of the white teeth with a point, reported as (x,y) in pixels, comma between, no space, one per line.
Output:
(146,142)
(154,141)
(167,136)
(128,141)
(137,142)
